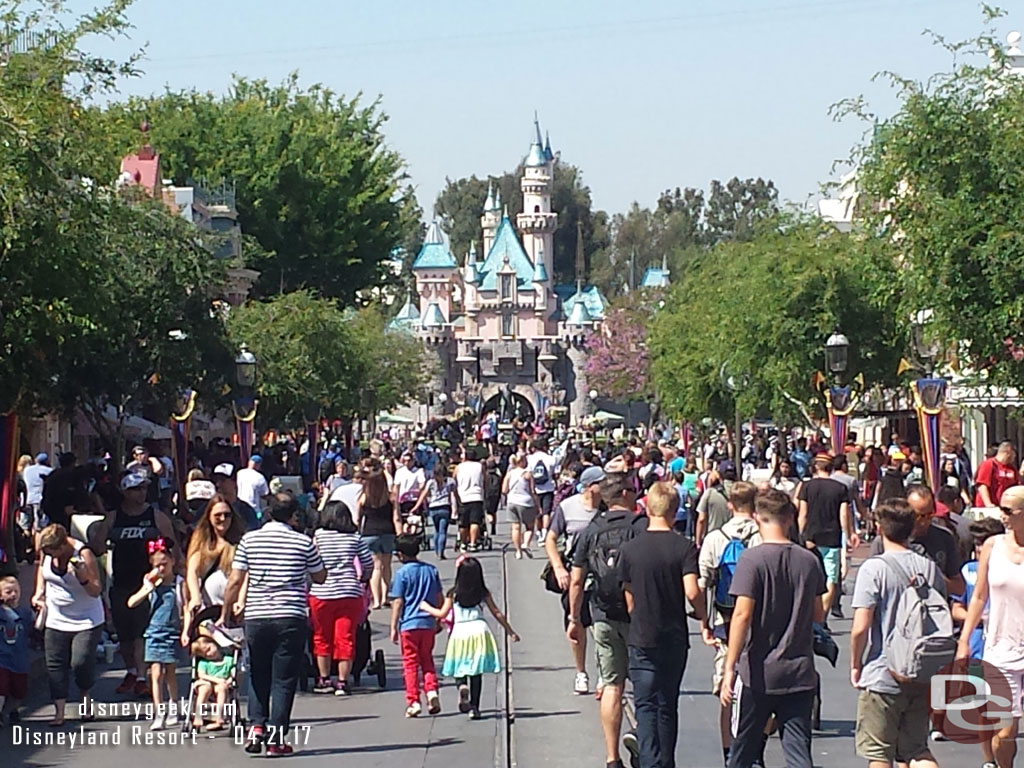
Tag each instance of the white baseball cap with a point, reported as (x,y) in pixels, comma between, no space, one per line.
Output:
(226,469)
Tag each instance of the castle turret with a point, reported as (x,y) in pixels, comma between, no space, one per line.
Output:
(538,222)
(540,282)
(491,216)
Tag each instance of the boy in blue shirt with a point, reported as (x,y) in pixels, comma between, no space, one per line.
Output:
(414,583)
(15,621)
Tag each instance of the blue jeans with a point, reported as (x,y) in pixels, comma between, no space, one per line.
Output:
(440,518)
(276,648)
(793,715)
(656,674)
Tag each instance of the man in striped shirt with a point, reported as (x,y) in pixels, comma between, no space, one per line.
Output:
(279,562)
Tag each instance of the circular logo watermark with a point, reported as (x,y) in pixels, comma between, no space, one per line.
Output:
(970,701)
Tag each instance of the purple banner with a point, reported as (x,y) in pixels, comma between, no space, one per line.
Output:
(8,491)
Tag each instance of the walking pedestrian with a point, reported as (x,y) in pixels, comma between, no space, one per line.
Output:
(769,668)
(892,718)
(337,605)
(380,524)
(162,591)
(472,651)
(995,475)
(415,583)
(34,475)
(15,624)
(469,481)
(438,495)
(279,561)
(520,490)
(659,574)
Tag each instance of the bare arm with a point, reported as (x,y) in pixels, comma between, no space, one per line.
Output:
(142,594)
(555,558)
(575,603)
(396,614)
(862,618)
(500,617)
(195,589)
(88,573)
(986,496)
(437,613)
(231,593)
(419,501)
(976,607)
(802,518)
(39,595)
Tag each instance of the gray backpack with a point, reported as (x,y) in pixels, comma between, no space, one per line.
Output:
(921,642)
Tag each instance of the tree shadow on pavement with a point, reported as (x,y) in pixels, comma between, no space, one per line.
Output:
(372,748)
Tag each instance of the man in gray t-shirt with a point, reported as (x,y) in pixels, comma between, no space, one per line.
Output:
(892,720)
(568,521)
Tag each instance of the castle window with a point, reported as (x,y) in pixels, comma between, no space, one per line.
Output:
(536,209)
(506,287)
(507,324)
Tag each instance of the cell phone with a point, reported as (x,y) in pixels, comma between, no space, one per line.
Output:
(75,561)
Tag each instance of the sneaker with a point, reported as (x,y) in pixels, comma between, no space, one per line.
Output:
(758,763)
(341,688)
(633,747)
(464,699)
(581,685)
(614,764)
(529,553)
(279,750)
(990,765)
(172,718)
(127,685)
(433,703)
(519,555)
(323,685)
(837,610)
(254,744)
(413,710)
(937,735)
(142,689)
(158,723)
(474,714)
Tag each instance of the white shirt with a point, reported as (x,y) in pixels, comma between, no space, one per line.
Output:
(552,465)
(469,476)
(349,494)
(252,487)
(409,482)
(34,475)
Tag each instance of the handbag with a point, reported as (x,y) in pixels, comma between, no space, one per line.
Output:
(550,579)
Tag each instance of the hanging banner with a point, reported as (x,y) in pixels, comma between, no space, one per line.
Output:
(686,439)
(929,401)
(245,421)
(839,402)
(8,492)
(180,425)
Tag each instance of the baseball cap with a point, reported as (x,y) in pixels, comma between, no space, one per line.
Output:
(726,465)
(256,458)
(138,449)
(898,456)
(591,475)
(133,480)
(226,470)
(42,458)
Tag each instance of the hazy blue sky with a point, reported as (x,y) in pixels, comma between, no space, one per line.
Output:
(642,96)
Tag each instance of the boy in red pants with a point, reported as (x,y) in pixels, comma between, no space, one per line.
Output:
(414,583)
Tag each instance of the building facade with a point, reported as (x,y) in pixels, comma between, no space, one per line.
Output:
(505,338)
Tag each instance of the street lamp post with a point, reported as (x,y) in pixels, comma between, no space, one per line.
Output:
(839,399)
(592,398)
(929,398)
(734,385)
(245,401)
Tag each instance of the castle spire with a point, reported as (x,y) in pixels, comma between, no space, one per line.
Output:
(497,200)
(580,262)
(489,202)
(536,125)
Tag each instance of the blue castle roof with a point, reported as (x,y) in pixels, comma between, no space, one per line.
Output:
(506,242)
(655,277)
(537,157)
(591,296)
(407,319)
(434,253)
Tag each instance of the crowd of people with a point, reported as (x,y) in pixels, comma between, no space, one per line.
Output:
(640,537)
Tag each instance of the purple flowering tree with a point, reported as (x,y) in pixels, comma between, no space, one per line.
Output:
(618,363)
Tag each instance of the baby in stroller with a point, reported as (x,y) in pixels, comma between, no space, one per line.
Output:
(216,663)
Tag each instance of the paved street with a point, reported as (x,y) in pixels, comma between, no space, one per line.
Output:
(552,726)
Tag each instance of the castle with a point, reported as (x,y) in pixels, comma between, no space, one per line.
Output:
(505,337)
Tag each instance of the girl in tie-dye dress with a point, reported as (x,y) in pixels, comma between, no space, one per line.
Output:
(472,650)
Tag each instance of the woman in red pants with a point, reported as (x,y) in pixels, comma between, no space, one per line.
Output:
(338,605)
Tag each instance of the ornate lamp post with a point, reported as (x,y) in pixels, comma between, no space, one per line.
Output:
(245,401)
(734,384)
(839,399)
(929,397)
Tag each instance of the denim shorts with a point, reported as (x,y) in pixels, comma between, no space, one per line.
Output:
(381,545)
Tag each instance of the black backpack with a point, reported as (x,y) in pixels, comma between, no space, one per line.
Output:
(611,530)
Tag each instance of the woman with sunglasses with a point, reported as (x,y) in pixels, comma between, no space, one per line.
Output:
(210,552)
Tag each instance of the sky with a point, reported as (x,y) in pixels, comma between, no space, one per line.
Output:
(642,96)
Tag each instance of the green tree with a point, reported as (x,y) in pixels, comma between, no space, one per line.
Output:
(944,194)
(762,310)
(316,183)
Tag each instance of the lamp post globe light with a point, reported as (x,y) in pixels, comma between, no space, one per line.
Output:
(837,353)
(734,384)
(245,367)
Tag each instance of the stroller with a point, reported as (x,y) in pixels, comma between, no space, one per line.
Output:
(230,644)
(417,526)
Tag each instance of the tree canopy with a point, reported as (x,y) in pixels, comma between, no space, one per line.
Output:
(760,311)
(316,184)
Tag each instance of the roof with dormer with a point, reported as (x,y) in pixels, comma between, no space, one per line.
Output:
(434,253)
(591,296)
(407,319)
(506,244)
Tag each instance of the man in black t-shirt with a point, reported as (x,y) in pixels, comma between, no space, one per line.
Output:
(825,520)
(659,574)
(771,643)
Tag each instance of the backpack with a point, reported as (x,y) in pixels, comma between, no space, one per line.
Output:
(540,473)
(325,469)
(921,642)
(603,563)
(725,570)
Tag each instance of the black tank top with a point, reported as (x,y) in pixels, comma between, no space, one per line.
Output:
(378,521)
(128,540)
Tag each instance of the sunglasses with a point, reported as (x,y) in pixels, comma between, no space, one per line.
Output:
(1008,510)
